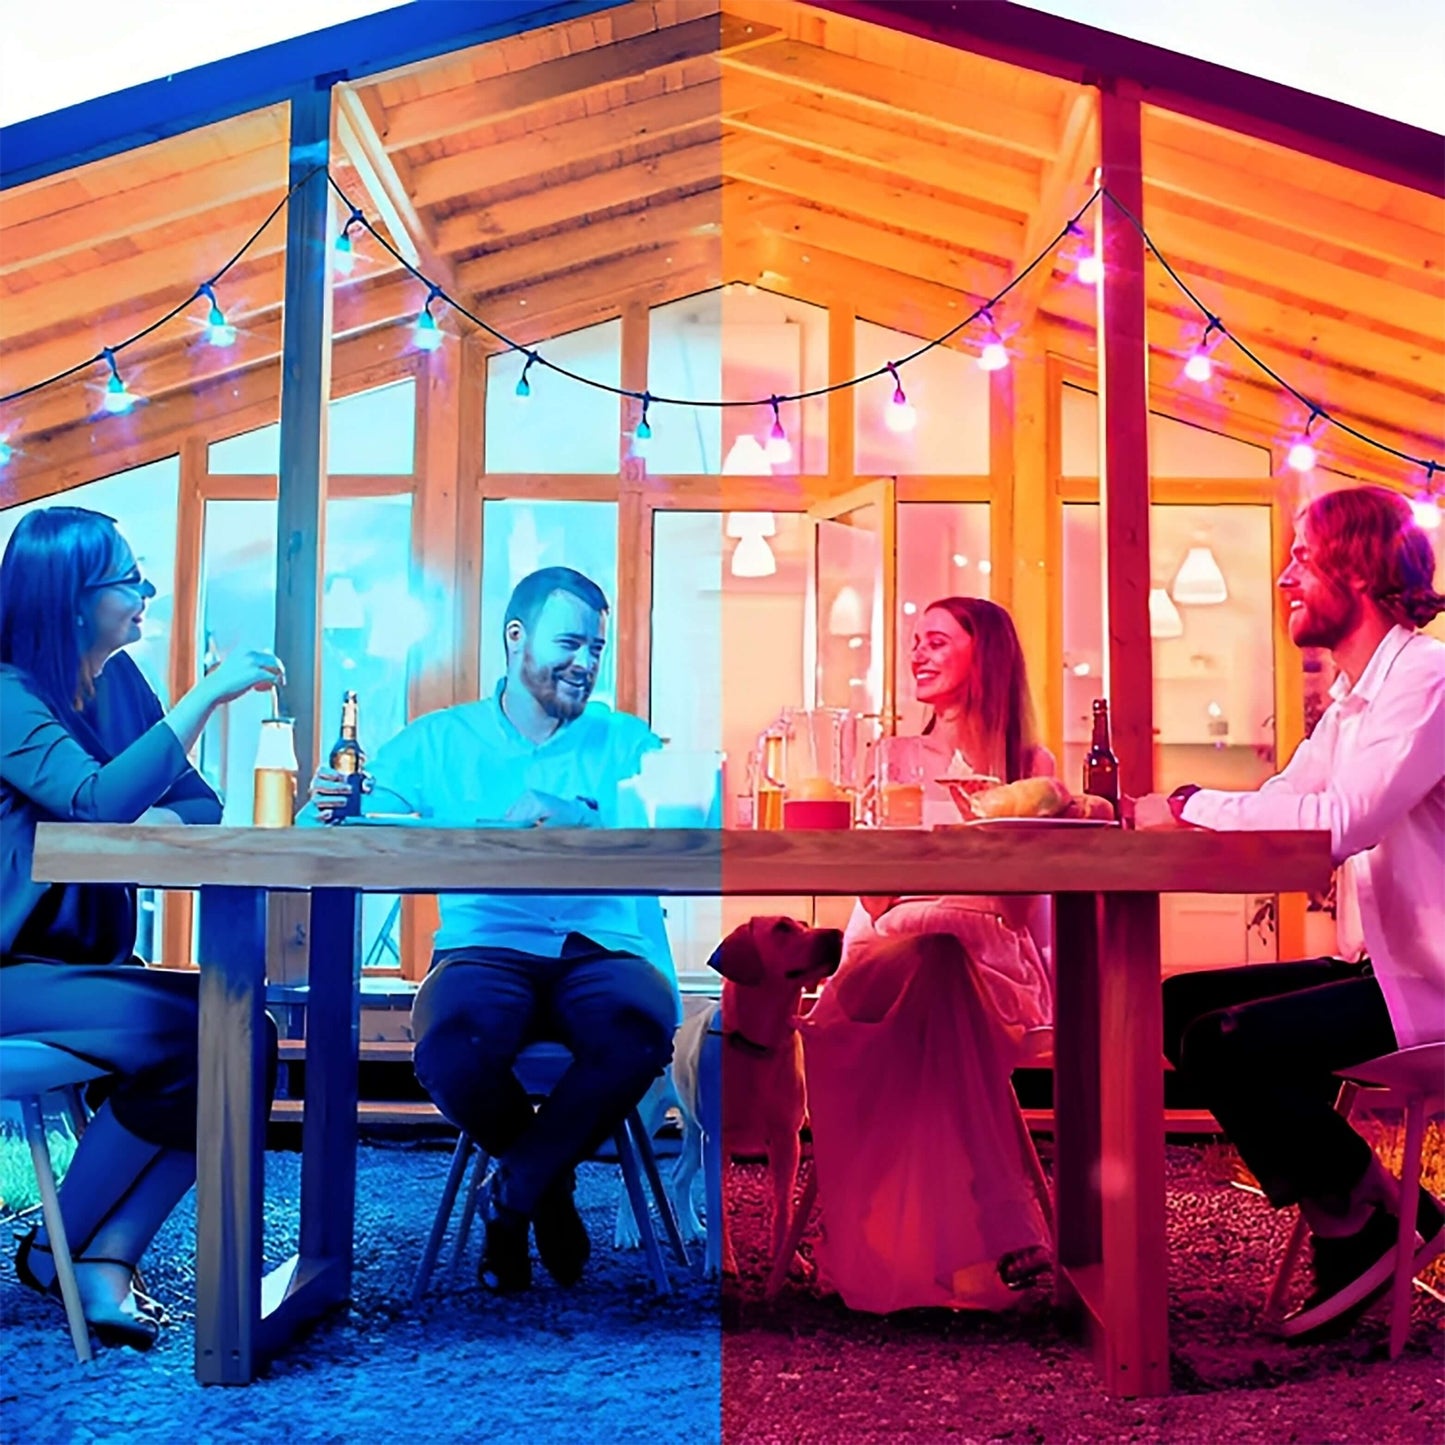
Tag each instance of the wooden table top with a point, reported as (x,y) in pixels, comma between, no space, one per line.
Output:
(1036,859)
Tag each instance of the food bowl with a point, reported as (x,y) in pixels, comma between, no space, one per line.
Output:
(961,790)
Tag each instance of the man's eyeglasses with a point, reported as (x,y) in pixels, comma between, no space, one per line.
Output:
(131,582)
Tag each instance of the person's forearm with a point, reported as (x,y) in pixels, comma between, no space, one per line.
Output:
(188,718)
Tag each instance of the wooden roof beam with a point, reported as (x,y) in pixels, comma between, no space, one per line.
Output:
(938,106)
(387,180)
(520,92)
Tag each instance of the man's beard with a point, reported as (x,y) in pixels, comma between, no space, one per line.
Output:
(1326,624)
(564,703)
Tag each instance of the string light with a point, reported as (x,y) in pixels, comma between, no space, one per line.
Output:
(994,356)
(1301,456)
(524,387)
(428,335)
(219,332)
(117,397)
(900,416)
(779,450)
(1199,367)
(1088,267)
(343,253)
(642,437)
(1426,507)
(6,450)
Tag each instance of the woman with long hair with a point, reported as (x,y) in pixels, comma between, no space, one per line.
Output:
(926,1192)
(84,739)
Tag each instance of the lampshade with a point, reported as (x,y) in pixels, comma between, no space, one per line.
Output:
(1199,582)
(751,524)
(1164,618)
(752,557)
(342,607)
(746,458)
(845,616)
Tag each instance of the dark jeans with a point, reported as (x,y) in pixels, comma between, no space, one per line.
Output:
(1261,1044)
(479,1007)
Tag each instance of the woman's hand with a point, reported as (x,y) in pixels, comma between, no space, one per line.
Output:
(329,792)
(245,670)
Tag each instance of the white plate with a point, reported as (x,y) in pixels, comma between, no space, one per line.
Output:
(406,820)
(1037,823)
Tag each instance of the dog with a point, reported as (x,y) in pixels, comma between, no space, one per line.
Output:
(737,1076)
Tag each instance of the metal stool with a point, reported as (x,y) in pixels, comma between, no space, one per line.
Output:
(28,1071)
(538,1068)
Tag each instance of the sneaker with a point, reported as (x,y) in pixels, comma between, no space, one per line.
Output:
(506,1263)
(1349,1274)
(561,1236)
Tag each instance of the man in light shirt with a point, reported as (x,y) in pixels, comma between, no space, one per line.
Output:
(1262,1043)
(590,971)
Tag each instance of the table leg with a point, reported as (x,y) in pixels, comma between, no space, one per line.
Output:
(1135,1358)
(231,1127)
(1078,1228)
(329,1134)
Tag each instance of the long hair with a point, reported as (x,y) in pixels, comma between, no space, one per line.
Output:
(1370,535)
(996,690)
(53,556)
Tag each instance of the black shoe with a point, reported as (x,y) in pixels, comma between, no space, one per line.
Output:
(1349,1273)
(506,1263)
(113,1326)
(561,1236)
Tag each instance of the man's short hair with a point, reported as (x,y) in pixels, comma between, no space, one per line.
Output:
(1370,534)
(530,595)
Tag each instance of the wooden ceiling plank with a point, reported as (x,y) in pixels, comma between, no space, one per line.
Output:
(936,104)
(522,91)
(563,144)
(387,181)
(1065,186)
(645,229)
(825,184)
(575,201)
(861,142)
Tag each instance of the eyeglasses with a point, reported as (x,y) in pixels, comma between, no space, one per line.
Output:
(131,582)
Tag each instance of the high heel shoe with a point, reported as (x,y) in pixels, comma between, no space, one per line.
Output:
(111,1326)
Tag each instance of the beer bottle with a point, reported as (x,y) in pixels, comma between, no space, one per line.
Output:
(1101,767)
(347,757)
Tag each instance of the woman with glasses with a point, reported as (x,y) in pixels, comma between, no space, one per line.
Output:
(84,739)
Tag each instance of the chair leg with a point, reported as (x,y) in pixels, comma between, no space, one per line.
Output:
(1405,1249)
(632,1178)
(779,1272)
(469,1212)
(443,1217)
(55,1227)
(1033,1167)
(665,1211)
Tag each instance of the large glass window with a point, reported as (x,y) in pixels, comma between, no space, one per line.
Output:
(520,536)
(949,396)
(560,425)
(372,433)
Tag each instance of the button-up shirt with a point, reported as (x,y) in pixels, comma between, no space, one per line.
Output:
(464,766)
(1373,775)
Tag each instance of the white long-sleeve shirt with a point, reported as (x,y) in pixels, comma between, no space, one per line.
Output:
(1373,775)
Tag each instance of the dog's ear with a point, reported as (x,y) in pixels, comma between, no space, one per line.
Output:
(737,957)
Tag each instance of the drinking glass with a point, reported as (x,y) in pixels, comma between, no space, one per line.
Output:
(898,768)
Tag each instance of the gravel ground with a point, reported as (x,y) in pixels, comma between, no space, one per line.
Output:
(609,1363)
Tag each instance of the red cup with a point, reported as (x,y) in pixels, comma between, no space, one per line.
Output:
(831,813)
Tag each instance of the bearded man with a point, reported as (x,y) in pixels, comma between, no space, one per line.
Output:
(589,971)
(1261,1043)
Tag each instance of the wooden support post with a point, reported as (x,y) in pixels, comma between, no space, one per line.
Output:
(471,463)
(1124,428)
(632,607)
(305,390)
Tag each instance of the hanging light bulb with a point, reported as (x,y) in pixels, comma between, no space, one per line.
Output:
(1088,267)
(1199,368)
(994,356)
(1199,582)
(1425,507)
(219,332)
(6,451)
(778,449)
(900,416)
(343,254)
(1301,456)
(643,435)
(524,387)
(117,397)
(428,335)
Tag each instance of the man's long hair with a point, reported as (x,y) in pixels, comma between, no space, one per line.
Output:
(996,691)
(1370,535)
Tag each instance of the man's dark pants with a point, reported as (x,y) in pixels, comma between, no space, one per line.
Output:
(1261,1045)
(479,1007)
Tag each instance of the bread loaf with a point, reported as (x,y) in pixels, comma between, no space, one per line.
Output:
(1025,798)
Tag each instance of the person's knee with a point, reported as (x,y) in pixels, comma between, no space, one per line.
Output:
(1213,1045)
(461,1052)
(629,1043)
(1182,1009)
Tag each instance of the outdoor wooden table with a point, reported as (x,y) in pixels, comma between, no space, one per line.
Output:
(1108,1092)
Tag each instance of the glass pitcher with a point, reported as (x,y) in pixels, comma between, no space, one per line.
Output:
(274,803)
(821,757)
